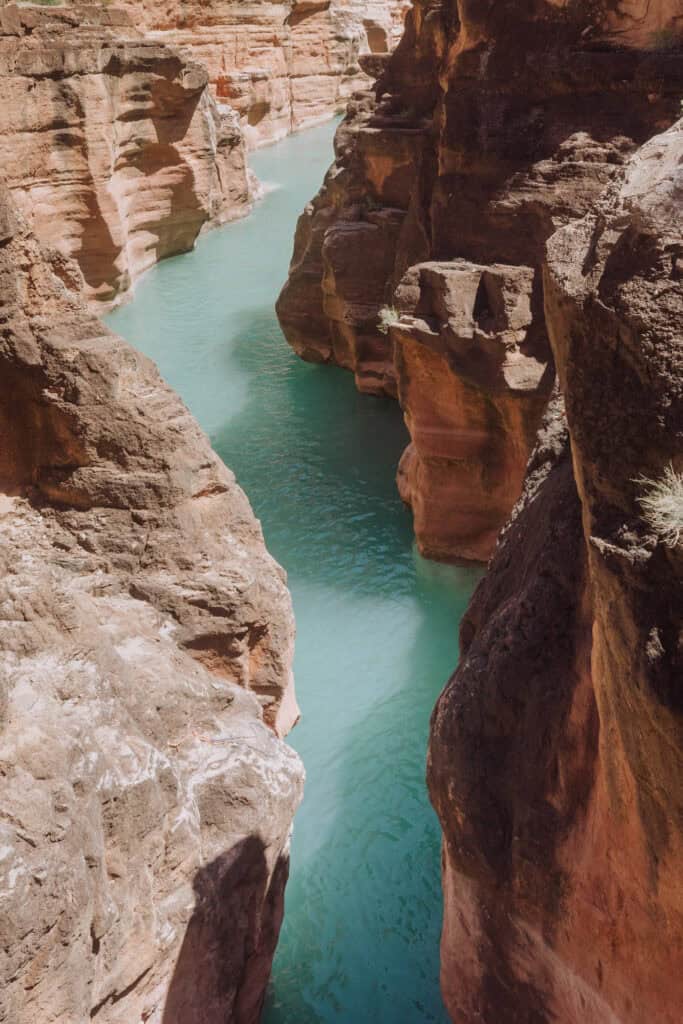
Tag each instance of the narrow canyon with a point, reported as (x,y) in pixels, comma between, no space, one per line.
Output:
(476,426)
(498,245)
(124,130)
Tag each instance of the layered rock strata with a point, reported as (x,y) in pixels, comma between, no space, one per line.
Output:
(491,126)
(462,333)
(111,143)
(282,64)
(556,749)
(145,677)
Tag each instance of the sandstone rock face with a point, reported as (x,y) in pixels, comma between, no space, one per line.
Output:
(111,143)
(145,677)
(491,126)
(282,64)
(463,332)
(556,749)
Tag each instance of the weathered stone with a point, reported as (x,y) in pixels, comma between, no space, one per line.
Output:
(145,676)
(283,64)
(491,126)
(473,387)
(556,748)
(111,143)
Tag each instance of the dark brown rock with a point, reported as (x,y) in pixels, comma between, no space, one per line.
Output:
(556,749)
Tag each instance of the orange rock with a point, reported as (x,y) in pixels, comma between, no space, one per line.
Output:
(555,750)
(473,389)
(283,65)
(490,127)
(112,145)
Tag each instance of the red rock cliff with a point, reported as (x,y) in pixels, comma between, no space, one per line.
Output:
(145,649)
(282,64)
(418,265)
(111,143)
(556,749)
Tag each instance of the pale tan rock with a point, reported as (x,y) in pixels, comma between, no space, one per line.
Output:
(282,64)
(112,144)
(491,125)
(146,639)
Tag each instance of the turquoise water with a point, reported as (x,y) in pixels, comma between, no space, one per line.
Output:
(377,625)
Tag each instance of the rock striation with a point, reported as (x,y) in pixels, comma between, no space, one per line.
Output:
(418,265)
(112,144)
(282,64)
(556,748)
(463,332)
(145,679)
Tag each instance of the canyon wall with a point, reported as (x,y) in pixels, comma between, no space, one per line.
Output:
(281,64)
(123,128)
(111,143)
(145,679)
(556,749)
(418,265)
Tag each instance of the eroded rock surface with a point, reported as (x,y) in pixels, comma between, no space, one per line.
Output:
(282,64)
(491,126)
(464,331)
(112,144)
(145,678)
(556,749)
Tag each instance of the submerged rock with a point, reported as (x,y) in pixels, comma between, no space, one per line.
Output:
(556,748)
(491,126)
(145,679)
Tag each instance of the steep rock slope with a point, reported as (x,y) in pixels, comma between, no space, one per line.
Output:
(146,638)
(112,144)
(556,750)
(417,266)
(282,64)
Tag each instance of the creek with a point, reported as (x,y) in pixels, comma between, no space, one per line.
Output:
(377,625)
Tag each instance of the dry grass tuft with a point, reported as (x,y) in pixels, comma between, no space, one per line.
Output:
(662,505)
(388,315)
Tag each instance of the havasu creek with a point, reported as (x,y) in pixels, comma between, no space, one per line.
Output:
(376,624)
(341,512)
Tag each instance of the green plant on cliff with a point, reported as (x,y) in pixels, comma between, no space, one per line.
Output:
(662,505)
(388,315)
(666,39)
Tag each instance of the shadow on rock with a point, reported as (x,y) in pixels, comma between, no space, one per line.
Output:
(225,958)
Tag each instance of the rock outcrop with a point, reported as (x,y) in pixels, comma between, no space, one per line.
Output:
(556,749)
(491,126)
(112,144)
(282,64)
(462,332)
(145,679)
